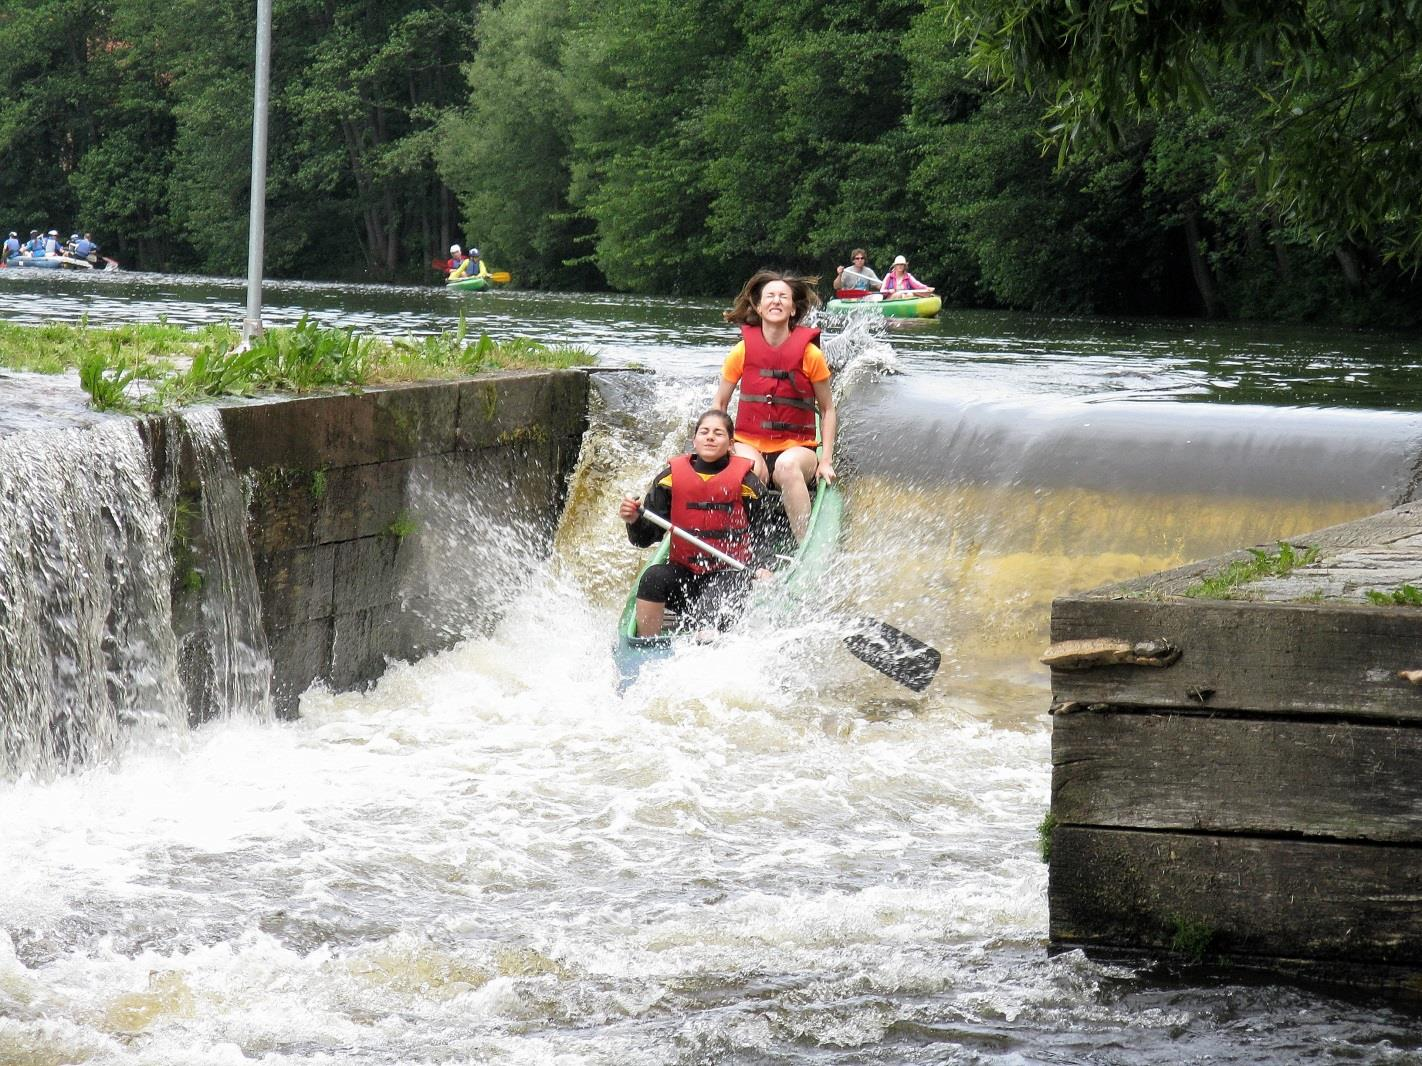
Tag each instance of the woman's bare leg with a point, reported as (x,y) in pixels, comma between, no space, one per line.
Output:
(794,472)
(650,618)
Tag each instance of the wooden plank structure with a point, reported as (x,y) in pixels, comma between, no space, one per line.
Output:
(1251,795)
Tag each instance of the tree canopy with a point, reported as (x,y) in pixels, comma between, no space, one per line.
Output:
(1218,157)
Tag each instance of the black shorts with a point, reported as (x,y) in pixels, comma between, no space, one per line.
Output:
(714,599)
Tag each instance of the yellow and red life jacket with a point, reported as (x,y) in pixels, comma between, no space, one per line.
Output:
(711,509)
(777,399)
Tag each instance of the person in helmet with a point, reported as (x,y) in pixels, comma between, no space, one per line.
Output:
(12,246)
(458,264)
(51,243)
(476,265)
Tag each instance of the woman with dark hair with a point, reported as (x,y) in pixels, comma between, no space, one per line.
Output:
(713,495)
(785,383)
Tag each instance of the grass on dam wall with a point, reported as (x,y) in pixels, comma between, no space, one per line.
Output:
(155,366)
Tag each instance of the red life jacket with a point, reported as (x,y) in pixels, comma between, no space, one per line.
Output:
(777,399)
(711,509)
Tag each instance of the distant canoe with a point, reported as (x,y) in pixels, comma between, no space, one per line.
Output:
(905,307)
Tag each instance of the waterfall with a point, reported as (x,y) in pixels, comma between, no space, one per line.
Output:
(86,634)
(90,647)
(227,666)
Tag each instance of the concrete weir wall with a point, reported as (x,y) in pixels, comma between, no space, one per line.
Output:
(388,524)
(1239,782)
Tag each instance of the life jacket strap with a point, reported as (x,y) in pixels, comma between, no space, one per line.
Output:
(711,506)
(766,372)
(785,401)
(715,534)
(771,423)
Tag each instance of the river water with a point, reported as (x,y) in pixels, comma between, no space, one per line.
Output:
(762,852)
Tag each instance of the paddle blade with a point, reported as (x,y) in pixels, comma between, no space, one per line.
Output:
(503,277)
(893,653)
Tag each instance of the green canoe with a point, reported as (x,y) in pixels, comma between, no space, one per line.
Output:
(907,307)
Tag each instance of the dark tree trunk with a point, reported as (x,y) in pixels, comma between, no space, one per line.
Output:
(1200,269)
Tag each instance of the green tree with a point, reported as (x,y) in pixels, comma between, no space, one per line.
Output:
(506,153)
(1331,141)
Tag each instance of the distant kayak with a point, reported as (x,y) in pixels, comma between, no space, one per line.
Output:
(475,284)
(905,307)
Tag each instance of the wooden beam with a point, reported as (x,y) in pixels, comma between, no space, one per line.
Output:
(1221,895)
(1305,659)
(1172,771)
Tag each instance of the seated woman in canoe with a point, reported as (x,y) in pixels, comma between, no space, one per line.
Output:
(785,383)
(713,495)
(899,283)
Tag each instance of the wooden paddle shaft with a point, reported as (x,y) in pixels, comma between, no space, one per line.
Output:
(695,541)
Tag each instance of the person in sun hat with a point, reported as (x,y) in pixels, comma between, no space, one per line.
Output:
(898,282)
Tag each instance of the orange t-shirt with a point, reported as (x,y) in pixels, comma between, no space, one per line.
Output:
(814,367)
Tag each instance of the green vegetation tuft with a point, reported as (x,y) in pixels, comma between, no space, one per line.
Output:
(155,367)
(1044,835)
(1190,938)
(403,526)
(1403,596)
(1225,584)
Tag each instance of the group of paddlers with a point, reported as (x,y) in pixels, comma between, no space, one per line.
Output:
(859,278)
(783,438)
(43,245)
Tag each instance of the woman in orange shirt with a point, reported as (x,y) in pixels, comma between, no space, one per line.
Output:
(784,382)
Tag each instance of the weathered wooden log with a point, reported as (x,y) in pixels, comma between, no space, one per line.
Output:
(1213,896)
(1350,781)
(1252,657)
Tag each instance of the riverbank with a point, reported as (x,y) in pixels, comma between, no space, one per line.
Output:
(152,367)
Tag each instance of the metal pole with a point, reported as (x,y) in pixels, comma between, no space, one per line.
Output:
(256,234)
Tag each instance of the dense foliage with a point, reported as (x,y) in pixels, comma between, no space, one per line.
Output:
(1220,157)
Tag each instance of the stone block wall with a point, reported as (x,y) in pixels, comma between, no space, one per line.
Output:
(390,523)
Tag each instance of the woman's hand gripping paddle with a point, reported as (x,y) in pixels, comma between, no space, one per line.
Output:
(892,652)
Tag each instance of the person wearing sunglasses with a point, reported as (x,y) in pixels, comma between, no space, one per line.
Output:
(858,276)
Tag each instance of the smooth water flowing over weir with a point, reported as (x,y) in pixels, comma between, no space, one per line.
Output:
(762,852)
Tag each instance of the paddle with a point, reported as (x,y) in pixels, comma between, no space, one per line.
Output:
(892,652)
(503,277)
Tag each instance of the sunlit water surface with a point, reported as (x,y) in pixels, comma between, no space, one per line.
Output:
(762,852)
